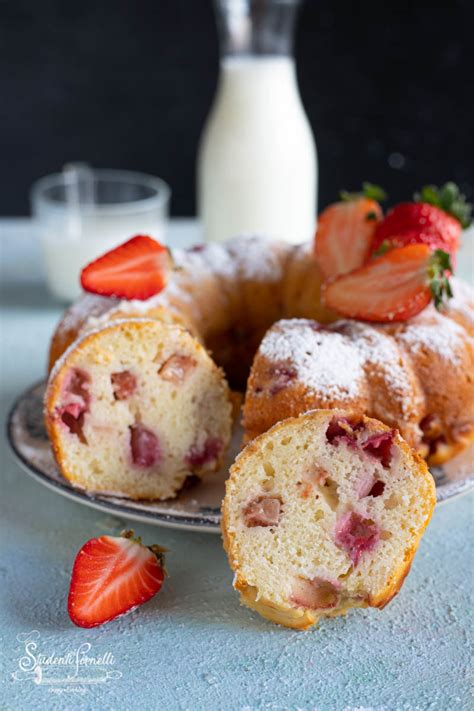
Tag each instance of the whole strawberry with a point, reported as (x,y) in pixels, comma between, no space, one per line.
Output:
(436,219)
(112,576)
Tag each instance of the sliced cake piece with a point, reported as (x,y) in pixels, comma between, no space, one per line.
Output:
(323,513)
(135,408)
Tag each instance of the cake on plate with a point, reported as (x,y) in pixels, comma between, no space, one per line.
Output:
(366,319)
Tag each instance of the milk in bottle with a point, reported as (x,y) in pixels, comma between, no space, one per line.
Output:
(257,165)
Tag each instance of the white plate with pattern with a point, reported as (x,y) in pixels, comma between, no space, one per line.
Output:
(197,507)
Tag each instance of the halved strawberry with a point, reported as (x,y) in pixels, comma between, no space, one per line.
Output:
(393,287)
(345,232)
(111,576)
(137,269)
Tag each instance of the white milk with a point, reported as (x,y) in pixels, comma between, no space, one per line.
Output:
(257,165)
(66,254)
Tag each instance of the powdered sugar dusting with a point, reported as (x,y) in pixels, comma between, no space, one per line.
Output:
(189,264)
(340,360)
(381,355)
(218,259)
(257,257)
(433,332)
(325,361)
(204,261)
(87,306)
(254,257)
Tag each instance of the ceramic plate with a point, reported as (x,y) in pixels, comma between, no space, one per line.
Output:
(197,507)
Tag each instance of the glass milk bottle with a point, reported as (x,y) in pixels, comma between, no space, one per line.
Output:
(257,163)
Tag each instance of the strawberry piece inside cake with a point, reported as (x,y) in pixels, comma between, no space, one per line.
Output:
(324,513)
(137,407)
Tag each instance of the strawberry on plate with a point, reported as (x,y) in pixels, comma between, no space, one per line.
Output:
(346,229)
(435,219)
(393,287)
(112,576)
(137,269)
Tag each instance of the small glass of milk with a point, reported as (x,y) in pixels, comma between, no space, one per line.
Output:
(83,212)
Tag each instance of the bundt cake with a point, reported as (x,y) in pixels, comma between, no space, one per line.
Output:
(324,513)
(227,295)
(417,375)
(136,407)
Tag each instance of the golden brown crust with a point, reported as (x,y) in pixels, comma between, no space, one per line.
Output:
(52,394)
(300,618)
(73,321)
(382,601)
(296,617)
(229,309)
(301,287)
(446,381)
(441,387)
(79,319)
(457,441)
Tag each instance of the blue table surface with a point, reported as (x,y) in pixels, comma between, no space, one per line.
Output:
(193,646)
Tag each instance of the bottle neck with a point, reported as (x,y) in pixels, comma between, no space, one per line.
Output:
(256,27)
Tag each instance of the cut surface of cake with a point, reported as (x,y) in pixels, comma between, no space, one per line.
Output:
(136,407)
(323,513)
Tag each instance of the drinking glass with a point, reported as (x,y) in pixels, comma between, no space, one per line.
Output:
(83,212)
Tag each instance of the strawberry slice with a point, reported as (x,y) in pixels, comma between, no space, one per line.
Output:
(112,576)
(393,287)
(137,269)
(346,229)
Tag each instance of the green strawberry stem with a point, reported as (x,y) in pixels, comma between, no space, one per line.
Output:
(158,551)
(439,267)
(382,249)
(369,190)
(448,198)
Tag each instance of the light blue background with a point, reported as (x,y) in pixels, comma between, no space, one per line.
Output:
(193,647)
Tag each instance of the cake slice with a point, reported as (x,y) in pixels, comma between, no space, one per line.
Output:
(323,513)
(136,407)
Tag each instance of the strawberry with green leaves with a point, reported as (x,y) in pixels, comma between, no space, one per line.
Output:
(436,219)
(392,287)
(346,230)
(112,576)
